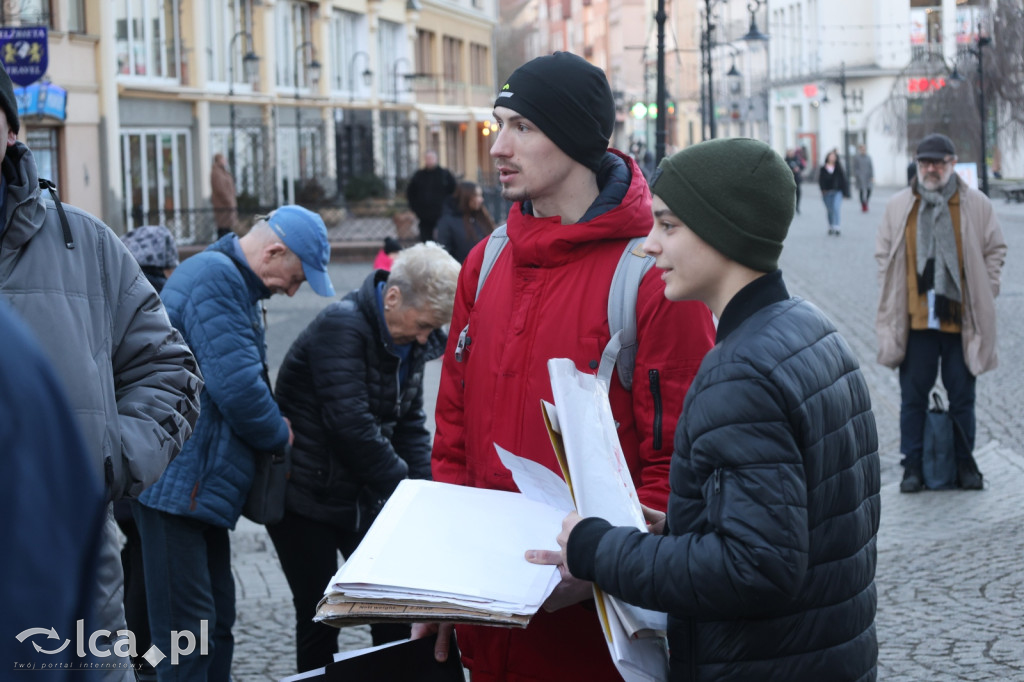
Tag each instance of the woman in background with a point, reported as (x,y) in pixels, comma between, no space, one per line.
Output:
(832,181)
(465,221)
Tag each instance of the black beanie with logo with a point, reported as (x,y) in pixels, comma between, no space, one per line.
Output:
(8,101)
(569,99)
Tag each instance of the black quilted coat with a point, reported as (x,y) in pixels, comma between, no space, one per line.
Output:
(358,431)
(767,570)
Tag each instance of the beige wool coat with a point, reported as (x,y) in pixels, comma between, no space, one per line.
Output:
(984,250)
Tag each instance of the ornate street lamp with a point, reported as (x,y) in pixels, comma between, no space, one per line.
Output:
(313,76)
(250,71)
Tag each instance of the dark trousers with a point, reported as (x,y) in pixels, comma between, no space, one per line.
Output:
(308,551)
(427,226)
(928,351)
(188,580)
(136,614)
(865,195)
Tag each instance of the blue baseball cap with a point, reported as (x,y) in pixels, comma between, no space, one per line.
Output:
(305,234)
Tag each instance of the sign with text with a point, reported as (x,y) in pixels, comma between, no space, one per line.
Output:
(25,53)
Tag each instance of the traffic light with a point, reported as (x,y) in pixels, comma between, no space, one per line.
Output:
(639,110)
(670,107)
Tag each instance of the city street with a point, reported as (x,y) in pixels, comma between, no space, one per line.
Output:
(949,574)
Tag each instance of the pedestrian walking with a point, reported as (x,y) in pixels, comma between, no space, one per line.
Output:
(214,299)
(767,568)
(833,184)
(427,191)
(940,252)
(352,387)
(577,207)
(864,175)
(796,163)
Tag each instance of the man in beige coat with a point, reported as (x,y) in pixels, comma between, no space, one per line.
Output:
(940,252)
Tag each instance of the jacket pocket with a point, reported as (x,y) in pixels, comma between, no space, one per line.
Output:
(713,497)
(654,380)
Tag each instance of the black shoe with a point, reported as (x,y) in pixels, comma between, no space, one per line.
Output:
(968,477)
(912,481)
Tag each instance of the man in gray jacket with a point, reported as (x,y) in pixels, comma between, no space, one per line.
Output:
(940,253)
(132,382)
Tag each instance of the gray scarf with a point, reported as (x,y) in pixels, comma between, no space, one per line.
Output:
(937,263)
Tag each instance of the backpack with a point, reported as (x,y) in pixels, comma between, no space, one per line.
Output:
(620,351)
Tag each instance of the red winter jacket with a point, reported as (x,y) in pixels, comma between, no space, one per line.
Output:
(547,297)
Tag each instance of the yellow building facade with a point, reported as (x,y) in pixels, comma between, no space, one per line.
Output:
(305,99)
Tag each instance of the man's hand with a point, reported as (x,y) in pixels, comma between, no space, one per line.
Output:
(655,520)
(444,636)
(570,590)
(291,434)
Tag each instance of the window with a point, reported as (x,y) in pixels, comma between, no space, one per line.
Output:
(392,62)
(76,16)
(157,170)
(147,35)
(26,13)
(349,54)
(227,21)
(45,151)
(294,31)
(425,41)
(479,64)
(453,59)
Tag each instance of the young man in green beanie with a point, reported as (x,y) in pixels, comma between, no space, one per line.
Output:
(765,561)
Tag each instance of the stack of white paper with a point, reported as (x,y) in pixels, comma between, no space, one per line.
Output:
(447,552)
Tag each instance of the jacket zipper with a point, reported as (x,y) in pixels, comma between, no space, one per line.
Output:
(655,383)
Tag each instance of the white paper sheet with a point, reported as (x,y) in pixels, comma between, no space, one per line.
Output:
(438,539)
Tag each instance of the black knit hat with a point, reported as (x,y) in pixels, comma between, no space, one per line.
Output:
(570,101)
(735,194)
(8,101)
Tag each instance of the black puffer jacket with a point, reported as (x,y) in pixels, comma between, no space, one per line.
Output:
(768,569)
(357,431)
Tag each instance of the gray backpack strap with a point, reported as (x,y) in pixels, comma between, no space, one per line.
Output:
(621,349)
(492,249)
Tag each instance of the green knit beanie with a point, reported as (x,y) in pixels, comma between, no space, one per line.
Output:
(736,194)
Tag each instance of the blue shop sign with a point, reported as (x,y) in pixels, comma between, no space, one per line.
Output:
(42,99)
(24,52)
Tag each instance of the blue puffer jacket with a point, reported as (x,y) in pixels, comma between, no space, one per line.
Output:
(213,299)
(767,571)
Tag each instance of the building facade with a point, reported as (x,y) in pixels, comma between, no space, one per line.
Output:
(304,98)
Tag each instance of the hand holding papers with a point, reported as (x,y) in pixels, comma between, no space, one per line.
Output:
(595,469)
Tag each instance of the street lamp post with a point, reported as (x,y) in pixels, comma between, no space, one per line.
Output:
(707,43)
(350,133)
(250,69)
(979,52)
(313,72)
(367,73)
(394,74)
(660,122)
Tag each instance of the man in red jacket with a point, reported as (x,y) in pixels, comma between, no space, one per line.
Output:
(577,204)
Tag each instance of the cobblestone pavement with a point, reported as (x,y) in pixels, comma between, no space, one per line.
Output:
(950,581)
